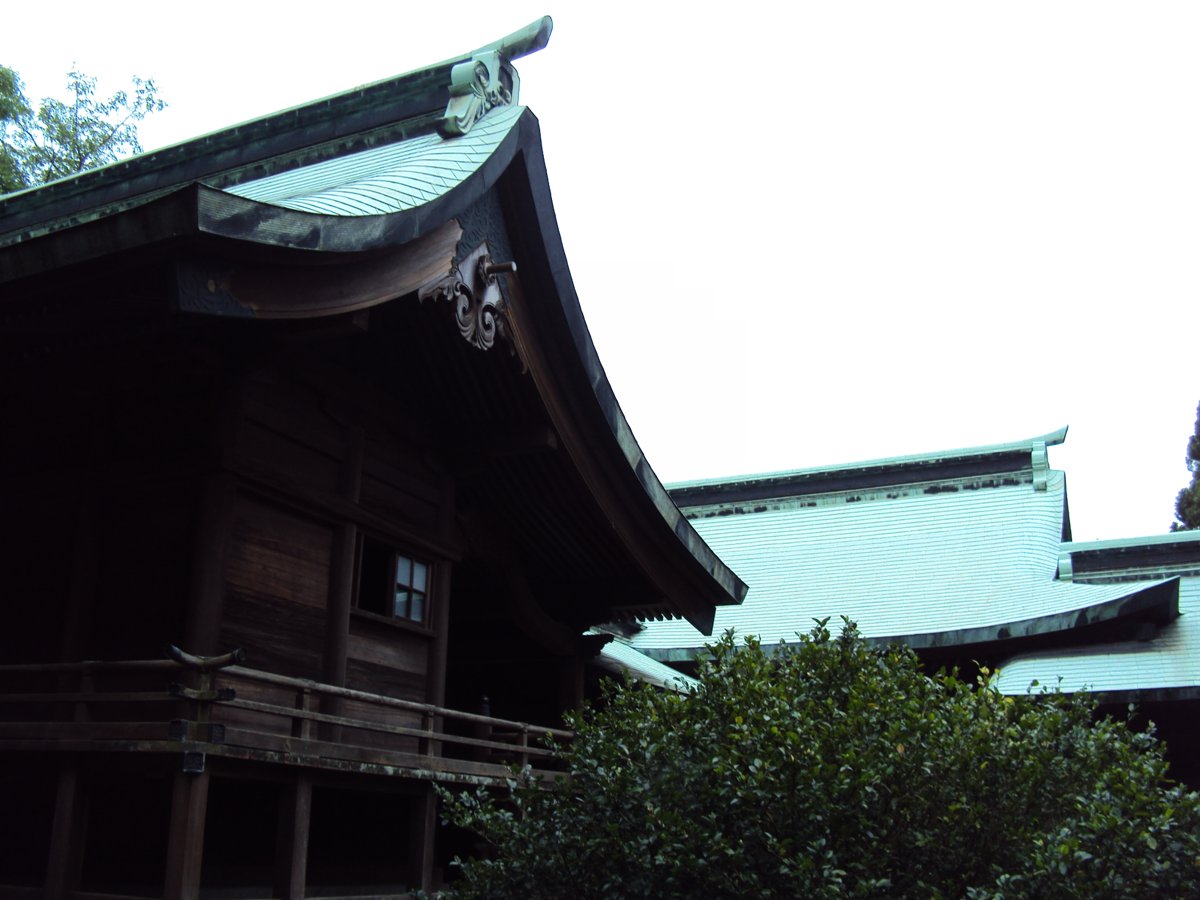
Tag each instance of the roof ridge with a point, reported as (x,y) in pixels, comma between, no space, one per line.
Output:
(895,462)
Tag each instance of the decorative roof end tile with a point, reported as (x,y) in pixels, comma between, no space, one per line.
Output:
(488,80)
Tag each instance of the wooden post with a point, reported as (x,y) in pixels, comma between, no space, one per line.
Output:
(523,743)
(571,683)
(302,727)
(435,684)
(341,581)
(81,599)
(295,813)
(425,746)
(202,627)
(67,836)
(185,842)
(424,820)
(341,576)
(341,598)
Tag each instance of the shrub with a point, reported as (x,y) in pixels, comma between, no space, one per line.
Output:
(833,768)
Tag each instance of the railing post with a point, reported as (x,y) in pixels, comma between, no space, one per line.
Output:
(425,744)
(301,726)
(481,730)
(200,711)
(523,743)
(87,685)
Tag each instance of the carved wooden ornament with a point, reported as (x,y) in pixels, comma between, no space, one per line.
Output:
(478,302)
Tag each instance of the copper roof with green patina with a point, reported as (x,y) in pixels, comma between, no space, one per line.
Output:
(928,549)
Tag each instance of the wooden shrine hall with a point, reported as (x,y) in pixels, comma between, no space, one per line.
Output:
(314,485)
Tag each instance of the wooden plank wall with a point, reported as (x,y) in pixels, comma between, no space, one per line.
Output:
(282,559)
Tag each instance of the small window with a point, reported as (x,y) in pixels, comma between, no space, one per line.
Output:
(391,583)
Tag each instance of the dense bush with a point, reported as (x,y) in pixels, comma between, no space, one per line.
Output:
(832,769)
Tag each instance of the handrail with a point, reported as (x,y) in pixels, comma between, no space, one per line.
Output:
(332,690)
(204,694)
(92,665)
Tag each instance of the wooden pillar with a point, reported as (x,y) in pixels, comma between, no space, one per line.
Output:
(69,830)
(206,594)
(435,684)
(85,571)
(295,813)
(67,836)
(185,842)
(424,823)
(341,576)
(202,626)
(571,683)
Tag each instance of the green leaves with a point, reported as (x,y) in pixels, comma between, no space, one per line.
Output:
(834,768)
(1187,503)
(62,137)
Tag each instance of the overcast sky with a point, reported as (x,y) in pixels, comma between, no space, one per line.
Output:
(803,234)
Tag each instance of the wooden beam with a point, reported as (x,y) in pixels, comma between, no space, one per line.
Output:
(327,506)
(225,287)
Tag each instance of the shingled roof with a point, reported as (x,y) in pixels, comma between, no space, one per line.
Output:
(1151,663)
(955,548)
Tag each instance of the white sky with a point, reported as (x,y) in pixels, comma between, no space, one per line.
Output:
(809,233)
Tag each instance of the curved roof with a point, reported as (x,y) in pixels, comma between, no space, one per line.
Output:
(355,181)
(388,179)
(931,553)
(1162,661)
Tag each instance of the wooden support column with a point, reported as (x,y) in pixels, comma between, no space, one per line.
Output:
(67,836)
(341,581)
(206,594)
(185,842)
(82,596)
(435,684)
(571,684)
(435,674)
(202,626)
(424,823)
(341,575)
(295,812)
(69,830)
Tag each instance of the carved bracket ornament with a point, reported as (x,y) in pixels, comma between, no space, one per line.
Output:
(487,79)
(479,306)
(482,83)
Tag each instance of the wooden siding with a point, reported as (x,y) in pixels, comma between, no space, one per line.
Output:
(277,581)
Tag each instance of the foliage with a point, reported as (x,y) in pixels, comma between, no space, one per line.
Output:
(1187,503)
(837,769)
(62,138)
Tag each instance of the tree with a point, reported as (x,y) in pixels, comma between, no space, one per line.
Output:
(60,139)
(838,769)
(1187,502)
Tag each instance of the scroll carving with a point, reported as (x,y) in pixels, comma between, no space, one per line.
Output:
(473,289)
(487,79)
(482,83)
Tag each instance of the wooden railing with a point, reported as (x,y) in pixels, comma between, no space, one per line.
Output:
(214,705)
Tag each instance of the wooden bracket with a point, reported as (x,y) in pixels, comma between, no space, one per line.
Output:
(479,304)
